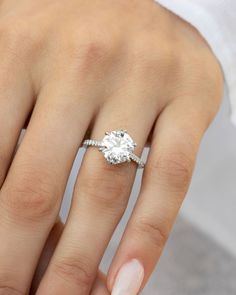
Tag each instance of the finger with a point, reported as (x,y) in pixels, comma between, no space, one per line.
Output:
(100,198)
(31,195)
(46,255)
(166,178)
(99,287)
(16,102)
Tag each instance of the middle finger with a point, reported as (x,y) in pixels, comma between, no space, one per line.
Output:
(31,195)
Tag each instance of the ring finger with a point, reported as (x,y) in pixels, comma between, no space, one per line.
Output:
(100,198)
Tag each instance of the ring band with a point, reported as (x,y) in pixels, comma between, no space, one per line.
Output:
(117,147)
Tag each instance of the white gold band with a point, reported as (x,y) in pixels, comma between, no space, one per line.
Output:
(92,142)
(136,159)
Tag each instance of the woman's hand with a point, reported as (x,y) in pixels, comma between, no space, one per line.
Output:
(83,68)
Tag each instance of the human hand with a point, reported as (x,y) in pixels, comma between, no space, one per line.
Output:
(83,68)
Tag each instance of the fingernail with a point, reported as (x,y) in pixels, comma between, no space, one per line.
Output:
(129,279)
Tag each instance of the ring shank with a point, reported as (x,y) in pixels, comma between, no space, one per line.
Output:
(136,159)
(93,142)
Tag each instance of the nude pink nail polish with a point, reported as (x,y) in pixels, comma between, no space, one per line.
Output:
(129,279)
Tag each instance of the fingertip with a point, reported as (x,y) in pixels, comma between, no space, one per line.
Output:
(129,278)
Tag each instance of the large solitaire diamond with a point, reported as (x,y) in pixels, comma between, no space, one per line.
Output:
(117,146)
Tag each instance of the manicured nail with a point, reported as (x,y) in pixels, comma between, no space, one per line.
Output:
(129,279)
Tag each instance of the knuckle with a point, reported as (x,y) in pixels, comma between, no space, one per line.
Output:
(107,186)
(174,168)
(8,290)
(74,271)
(199,66)
(88,51)
(95,50)
(156,232)
(200,76)
(17,37)
(155,60)
(29,198)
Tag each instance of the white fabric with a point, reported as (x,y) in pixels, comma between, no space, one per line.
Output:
(216,21)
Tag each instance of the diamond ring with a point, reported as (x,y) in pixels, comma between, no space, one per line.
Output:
(117,147)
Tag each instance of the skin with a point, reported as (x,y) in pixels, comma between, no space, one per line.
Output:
(74,69)
(99,287)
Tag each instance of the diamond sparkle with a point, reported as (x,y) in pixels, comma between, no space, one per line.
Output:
(117,146)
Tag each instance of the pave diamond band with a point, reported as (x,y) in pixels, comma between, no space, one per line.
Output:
(117,147)
(92,142)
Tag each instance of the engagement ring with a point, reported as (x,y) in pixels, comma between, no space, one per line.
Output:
(117,147)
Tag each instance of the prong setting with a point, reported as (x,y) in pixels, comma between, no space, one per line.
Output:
(117,147)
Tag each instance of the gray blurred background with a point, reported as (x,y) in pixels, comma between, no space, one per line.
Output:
(200,257)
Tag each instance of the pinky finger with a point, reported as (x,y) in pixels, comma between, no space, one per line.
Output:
(166,178)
